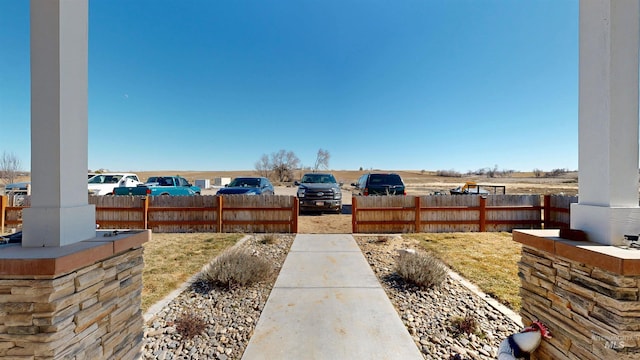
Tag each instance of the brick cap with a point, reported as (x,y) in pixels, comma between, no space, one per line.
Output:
(616,259)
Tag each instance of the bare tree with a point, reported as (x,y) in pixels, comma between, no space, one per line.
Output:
(9,167)
(282,165)
(279,166)
(322,160)
(263,166)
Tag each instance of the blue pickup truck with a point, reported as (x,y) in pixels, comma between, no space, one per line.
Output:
(160,185)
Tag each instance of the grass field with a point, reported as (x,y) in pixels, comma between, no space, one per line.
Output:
(171,259)
(489,260)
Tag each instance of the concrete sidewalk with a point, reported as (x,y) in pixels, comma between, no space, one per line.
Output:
(328,304)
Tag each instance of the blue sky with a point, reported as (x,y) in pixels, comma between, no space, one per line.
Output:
(395,85)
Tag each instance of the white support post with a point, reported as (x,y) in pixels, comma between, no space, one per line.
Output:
(60,213)
(608,121)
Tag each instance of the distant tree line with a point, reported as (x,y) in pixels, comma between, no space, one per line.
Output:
(548,174)
(488,172)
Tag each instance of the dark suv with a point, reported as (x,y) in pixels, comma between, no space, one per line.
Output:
(380,184)
(319,192)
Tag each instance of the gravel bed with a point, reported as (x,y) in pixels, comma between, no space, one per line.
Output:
(429,314)
(231,314)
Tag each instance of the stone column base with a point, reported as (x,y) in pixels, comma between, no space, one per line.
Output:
(79,301)
(586,293)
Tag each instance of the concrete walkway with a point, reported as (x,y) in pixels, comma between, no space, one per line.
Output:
(328,304)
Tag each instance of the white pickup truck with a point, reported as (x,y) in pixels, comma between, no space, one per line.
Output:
(103,184)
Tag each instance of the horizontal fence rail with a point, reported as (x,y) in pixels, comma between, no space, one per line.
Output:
(279,214)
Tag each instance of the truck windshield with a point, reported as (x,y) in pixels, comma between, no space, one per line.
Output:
(245,182)
(318,178)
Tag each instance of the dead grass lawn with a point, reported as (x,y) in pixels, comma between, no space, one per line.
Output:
(489,260)
(171,259)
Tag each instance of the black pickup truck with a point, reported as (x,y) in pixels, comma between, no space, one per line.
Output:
(319,192)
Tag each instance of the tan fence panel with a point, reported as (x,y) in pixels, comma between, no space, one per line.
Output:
(182,214)
(558,211)
(446,213)
(385,214)
(450,213)
(119,212)
(508,212)
(259,214)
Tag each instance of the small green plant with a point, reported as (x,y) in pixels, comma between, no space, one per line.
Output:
(236,266)
(382,239)
(268,239)
(189,325)
(421,269)
(464,325)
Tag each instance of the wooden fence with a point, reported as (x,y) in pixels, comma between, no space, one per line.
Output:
(279,214)
(237,213)
(456,213)
(557,211)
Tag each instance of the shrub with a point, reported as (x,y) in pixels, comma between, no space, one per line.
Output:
(382,239)
(556,172)
(464,325)
(421,269)
(268,239)
(189,325)
(448,173)
(537,172)
(236,266)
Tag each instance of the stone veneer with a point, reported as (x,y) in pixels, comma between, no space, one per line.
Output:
(586,293)
(80,301)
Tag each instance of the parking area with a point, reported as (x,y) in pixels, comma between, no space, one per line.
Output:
(288,191)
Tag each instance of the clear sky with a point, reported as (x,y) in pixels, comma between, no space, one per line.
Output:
(394,84)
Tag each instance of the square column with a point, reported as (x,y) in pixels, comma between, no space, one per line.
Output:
(60,213)
(608,121)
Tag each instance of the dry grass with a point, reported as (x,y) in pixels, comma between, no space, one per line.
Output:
(489,260)
(171,259)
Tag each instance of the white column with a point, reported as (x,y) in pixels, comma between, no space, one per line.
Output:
(608,121)
(60,213)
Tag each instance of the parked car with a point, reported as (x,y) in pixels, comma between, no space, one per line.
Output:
(248,186)
(380,184)
(105,183)
(319,192)
(160,185)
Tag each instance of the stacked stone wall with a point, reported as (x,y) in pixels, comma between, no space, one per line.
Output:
(592,313)
(91,313)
